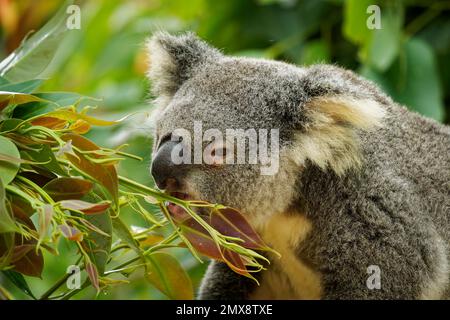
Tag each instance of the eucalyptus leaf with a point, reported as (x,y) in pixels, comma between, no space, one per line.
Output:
(123,232)
(8,169)
(56,99)
(385,43)
(19,281)
(99,244)
(355,21)
(166,274)
(404,80)
(36,52)
(22,87)
(46,155)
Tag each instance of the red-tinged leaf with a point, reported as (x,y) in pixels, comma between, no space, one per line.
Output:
(167,275)
(80,127)
(45,217)
(20,251)
(70,115)
(178,214)
(228,222)
(85,207)
(68,188)
(200,239)
(31,264)
(92,272)
(28,140)
(23,211)
(24,257)
(105,174)
(39,179)
(80,142)
(151,239)
(235,262)
(50,122)
(94,228)
(231,223)
(71,233)
(7,97)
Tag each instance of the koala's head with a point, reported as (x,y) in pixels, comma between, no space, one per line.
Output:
(312,113)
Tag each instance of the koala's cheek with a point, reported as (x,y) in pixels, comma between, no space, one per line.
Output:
(203,185)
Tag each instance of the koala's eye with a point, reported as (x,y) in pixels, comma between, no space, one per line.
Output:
(177,139)
(220,152)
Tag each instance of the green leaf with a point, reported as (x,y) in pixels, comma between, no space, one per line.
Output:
(104,174)
(422,91)
(167,275)
(74,116)
(3,82)
(5,294)
(99,244)
(64,99)
(8,97)
(23,87)
(59,99)
(8,170)
(19,281)
(355,21)
(10,124)
(7,242)
(45,216)
(46,155)
(35,53)
(413,80)
(385,43)
(121,230)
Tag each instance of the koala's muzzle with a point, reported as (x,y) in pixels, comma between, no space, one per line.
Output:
(167,174)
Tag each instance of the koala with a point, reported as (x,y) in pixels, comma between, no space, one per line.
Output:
(359,207)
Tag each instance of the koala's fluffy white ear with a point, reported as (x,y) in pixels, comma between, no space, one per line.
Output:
(174,59)
(330,139)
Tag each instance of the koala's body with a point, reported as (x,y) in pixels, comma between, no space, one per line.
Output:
(363,186)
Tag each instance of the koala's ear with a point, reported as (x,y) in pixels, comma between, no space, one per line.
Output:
(339,106)
(174,59)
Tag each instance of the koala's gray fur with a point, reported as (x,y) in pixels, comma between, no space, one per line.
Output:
(375,196)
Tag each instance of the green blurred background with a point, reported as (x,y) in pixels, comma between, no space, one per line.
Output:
(409,57)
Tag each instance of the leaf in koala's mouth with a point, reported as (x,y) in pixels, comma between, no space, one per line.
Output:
(201,240)
(231,223)
(177,212)
(227,221)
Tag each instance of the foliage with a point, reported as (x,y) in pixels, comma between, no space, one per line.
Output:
(409,58)
(57,185)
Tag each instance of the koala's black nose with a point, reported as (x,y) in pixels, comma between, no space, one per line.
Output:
(164,171)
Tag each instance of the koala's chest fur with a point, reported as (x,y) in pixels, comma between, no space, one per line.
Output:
(288,277)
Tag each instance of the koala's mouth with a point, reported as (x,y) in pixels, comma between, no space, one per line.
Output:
(177,212)
(180,195)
